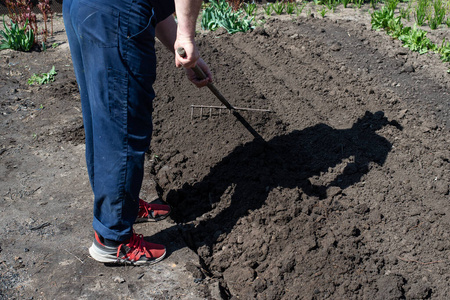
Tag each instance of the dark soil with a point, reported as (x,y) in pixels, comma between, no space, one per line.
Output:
(345,197)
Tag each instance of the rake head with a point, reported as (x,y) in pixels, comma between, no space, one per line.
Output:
(208,110)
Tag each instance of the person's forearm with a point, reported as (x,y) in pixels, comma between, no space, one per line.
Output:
(187,13)
(166,32)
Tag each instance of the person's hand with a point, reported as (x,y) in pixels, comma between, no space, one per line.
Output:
(191,53)
(193,78)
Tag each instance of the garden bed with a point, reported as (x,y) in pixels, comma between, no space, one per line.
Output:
(347,197)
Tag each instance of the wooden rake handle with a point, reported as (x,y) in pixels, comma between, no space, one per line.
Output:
(199,73)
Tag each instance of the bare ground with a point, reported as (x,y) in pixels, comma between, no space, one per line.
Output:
(347,197)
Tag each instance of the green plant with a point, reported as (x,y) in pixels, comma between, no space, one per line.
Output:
(405,13)
(323,11)
(385,19)
(373,3)
(299,9)
(290,7)
(278,7)
(54,45)
(220,14)
(416,40)
(16,38)
(380,18)
(331,4)
(23,11)
(345,3)
(421,12)
(250,8)
(444,51)
(268,9)
(43,78)
(359,3)
(436,17)
(392,4)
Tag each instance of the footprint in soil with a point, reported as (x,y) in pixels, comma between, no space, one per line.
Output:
(242,181)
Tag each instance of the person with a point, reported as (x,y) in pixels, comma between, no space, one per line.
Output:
(112,44)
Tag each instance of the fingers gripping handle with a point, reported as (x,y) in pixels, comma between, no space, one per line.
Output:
(199,73)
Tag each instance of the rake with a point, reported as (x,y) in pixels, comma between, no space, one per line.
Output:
(231,109)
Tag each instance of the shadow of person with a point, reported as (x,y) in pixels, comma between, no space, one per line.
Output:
(313,160)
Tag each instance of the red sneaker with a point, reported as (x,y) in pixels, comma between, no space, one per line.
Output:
(152,211)
(136,251)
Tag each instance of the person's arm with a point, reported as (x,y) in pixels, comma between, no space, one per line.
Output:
(187,12)
(166,32)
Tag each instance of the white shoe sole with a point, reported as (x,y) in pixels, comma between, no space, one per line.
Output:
(110,257)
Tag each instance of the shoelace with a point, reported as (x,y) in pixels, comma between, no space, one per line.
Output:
(146,206)
(137,248)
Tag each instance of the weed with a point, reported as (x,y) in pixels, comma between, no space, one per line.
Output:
(268,9)
(331,4)
(437,18)
(380,18)
(421,12)
(405,13)
(416,40)
(323,11)
(278,7)
(16,38)
(43,78)
(373,3)
(392,4)
(444,51)
(250,8)
(290,7)
(359,3)
(299,9)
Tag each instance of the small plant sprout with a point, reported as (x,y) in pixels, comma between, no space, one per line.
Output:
(43,78)
(278,7)
(323,11)
(250,8)
(444,51)
(299,8)
(421,12)
(405,13)
(290,7)
(436,16)
(268,9)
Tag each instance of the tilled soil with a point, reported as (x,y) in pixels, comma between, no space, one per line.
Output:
(346,196)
